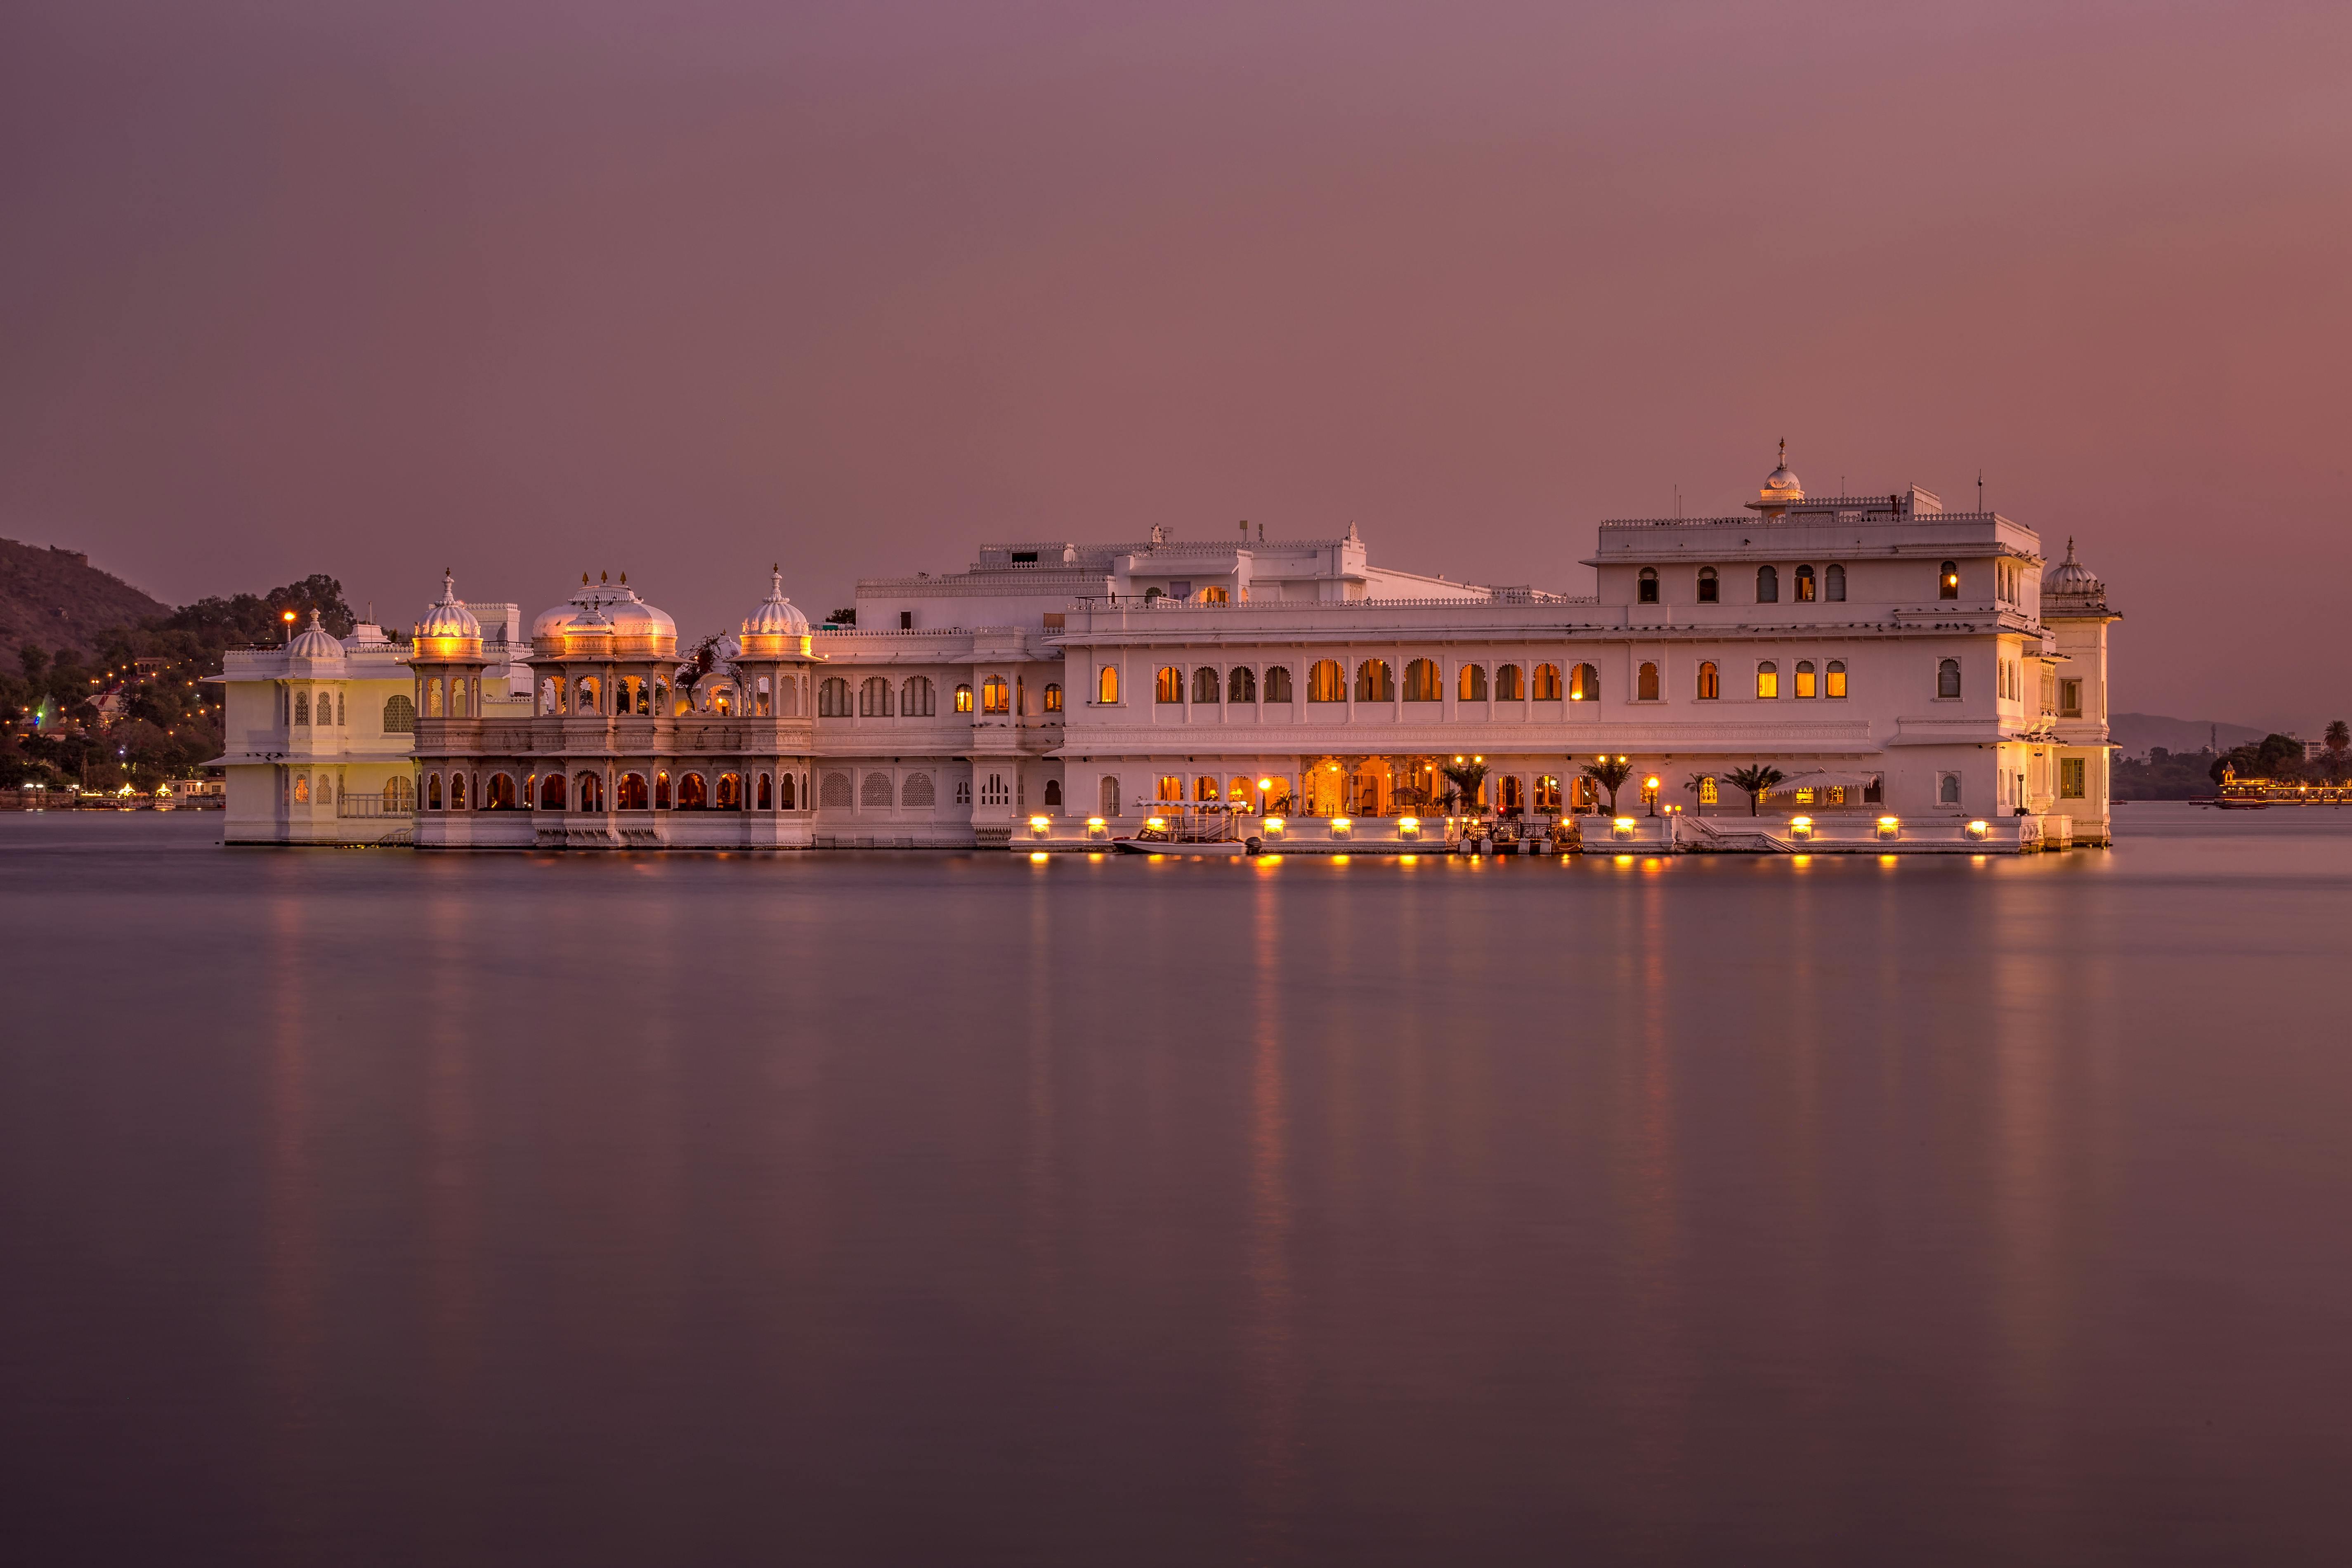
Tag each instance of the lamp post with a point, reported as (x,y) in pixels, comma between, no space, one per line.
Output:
(1650,794)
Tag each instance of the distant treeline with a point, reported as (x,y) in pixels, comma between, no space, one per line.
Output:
(2195,775)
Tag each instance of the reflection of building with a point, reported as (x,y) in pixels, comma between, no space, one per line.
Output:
(1884,656)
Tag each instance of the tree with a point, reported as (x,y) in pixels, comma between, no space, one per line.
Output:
(1755,781)
(1696,785)
(846,618)
(1610,774)
(1465,776)
(2339,735)
(2272,757)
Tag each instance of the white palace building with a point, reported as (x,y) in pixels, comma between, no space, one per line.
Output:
(1922,679)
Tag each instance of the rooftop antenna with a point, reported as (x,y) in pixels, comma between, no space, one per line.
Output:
(1980,490)
(1678,500)
(1260,533)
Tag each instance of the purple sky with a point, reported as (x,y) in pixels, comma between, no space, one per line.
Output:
(527,289)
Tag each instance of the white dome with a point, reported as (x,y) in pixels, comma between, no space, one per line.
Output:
(2073,577)
(1782,479)
(610,609)
(314,641)
(448,617)
(1782,486)
(775,615)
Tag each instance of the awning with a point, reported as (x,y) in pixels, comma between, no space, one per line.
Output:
(1824,779)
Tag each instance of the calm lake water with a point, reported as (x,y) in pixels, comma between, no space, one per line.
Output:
(363,1208)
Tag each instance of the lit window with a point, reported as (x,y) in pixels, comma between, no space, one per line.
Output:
(996,695)
(1171,787)
(1708,794)
(1107,686)
(1543,683)
(1805,686)
(1422,681)
(1710,682)
(1767,680)
(2071,775)
(1947,580)
(1473,683)
(1053,697)
(962,697)
(1327,681)
(1836,679)
(1584,684)
(1805,595)
(1170,687)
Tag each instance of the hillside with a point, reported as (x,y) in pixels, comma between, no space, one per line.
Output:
(57,599)
(2134,734)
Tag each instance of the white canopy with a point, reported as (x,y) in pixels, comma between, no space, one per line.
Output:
(1823,778)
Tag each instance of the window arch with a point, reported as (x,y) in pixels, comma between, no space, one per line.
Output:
(1805,684)
(1947,580)
(661,790)
(399,716)
(1646,588)
(835,790)
(1710,587)
(1948,678)
(1584,684)
(918,790)
(1833,584)
(631,796)
(1106,684)
(833,699)
(500,796)
(1206,788)
(1834,681)
(693,795)
(1241,685)
(784,792)
(590,696)
(1327,681)
(1767,680)
(874,697)
(1510,685)
(1054,793)
(915,699)
(1543,683)
(763,701)
(457,790)
(1709,792)
(550,793)
(1646,683)
(399,795)
(1767,585)
(1373,682)
(1206,685)
(661,695)
(1278,683)
(1053,697)
(1948,789)
(1106,796)
(301,708)
(1472,686)
(963,697)
(996,695)
(1710,681)
(1422,681)
(875,791)
(767,793)
(1169,687)
(432,792)
(1805,585)
(730,793)
(592,792)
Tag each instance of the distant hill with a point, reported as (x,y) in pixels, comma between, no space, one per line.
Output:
(57,599)
(2135,732)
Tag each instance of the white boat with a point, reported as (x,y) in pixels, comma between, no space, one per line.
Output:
(1212,831)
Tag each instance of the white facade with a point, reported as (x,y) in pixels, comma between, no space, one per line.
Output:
(1892,659)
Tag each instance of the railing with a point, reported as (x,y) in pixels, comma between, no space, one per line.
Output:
(1495,598)
(353,808)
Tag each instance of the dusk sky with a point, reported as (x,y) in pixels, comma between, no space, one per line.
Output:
(528,289)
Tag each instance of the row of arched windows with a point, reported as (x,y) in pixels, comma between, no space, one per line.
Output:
(296,708)
(631,792)
(917,699)
(1805,584)
(1375,681)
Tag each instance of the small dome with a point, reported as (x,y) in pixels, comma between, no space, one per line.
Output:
(607,609)
(314,641)
(1782,479)
(448,617)
(2074,578)
(775,615)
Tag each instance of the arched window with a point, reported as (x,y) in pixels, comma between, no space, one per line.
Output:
(917,791)
(1241,684)
(501,794)
(1278,683)
(1106,796)
(874,697)
(1172,787)
(661,791)
(874,791)
(1373,682)
(1646,588)
(592,792)
(1710,588)
(996,695)
(1513,796)
(1805,585)
(1204,789)
(661,695)
(730,793)
(631,796)
(459,690)
(784,792)
(550,793)
(591,699)
(1584,684)
(1948,678)
(833,699)
(1710,681)
(1472,685)
(1543,683)
(835,790)
(1212,595)
(1206,685)
(1947,580)
(434,708)
(722,701)
(432,792)
(1327,681)
(994,793)
(764,701)
(1054,793)
(399,794)
(916,699)
(1709,793)
(767,793)
(301,708)
(1767,585)
(457,791)
(1805,678)
(1646,683)
(1510,685)
(1836,679)
(1053,697)
(399,716)
(1106,684)
(693,795)
(1422,681)
(1833,585)
(1767,680)
(963,697)
(1547,792)
(339,710)
(1948,790)
(301,789)
(1170,685)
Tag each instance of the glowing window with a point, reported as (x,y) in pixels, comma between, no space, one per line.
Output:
(1767,680)
(1805,683)
(1510,684)
(1947,580)
(1422,681)
(1473,686)
(1710,682)
(1373,682)
(1327,681)
(996,695)
(1053,697)
(1836,679)
(1584,684)
(1805,585)
(1543,683)
(1170,687)
(962,697)
(1107,685)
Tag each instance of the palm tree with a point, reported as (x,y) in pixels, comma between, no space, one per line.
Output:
(1755,781)
(1610,774)
(1696,785)
(1465,777)
(2339,735)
